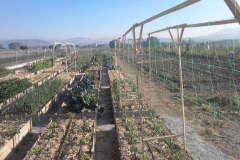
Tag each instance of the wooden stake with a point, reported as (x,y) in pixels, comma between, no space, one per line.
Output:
(140,113)
(149,70)
(178,51)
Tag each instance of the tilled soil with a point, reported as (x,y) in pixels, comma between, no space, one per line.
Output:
(107,146)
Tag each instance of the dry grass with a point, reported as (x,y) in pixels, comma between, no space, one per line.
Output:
(226,100)
(207,108)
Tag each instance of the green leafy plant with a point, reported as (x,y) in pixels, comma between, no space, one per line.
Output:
(131,137)
(53,125)
(11,132)
(85,140)
(48,136)
(83,156)
(46,63)
(12,87)
(88,128)
(4,71)
(37,150)
(83,95)
(116,87)
(34,100)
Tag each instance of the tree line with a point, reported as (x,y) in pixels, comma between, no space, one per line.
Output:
(155,42)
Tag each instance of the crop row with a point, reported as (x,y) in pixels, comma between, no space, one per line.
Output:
(64,139)
(8,129)
(12,87)
(34,100)
(4,71)
(130,130)
(46,63)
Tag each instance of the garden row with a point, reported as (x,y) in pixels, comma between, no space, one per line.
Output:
(65,139)
(41,99)
(13,89)
(210,96)
(135,123)
(11,133)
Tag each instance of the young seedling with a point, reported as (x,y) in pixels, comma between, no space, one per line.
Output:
(83,156)
(37,150)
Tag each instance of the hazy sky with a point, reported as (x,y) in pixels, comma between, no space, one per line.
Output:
(62,19)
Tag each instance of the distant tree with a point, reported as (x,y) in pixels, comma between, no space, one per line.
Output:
(188,44)
(14,45)
(1,46)
(112,44)
(24,47)
(154,42)
(50,47)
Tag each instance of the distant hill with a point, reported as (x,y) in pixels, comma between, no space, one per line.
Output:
(229,33)
(84,41)
(29,42)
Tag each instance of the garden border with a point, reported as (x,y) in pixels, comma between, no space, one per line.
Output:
(6,150)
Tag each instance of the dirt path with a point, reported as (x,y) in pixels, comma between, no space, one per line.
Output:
(106,146)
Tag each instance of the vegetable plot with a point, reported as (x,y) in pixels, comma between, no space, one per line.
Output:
(33,101)
(46,63)
(12,87)
(153,126)
(8,129)
(64,139)
(84,95)
(4,71)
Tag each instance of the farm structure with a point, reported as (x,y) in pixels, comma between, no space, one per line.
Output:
(143,100)
(192,89)
(39,100)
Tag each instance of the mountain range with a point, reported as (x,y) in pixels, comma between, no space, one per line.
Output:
(229,33)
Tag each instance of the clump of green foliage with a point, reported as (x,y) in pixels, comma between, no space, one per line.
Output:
(11,133)
(4,71)
(83,156)
(63,54)
(116,88)
(12,87)
(33,101)
(46,63)
(83,96)
(85,140)
(37,150)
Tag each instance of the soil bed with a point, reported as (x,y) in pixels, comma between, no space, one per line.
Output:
(64,139)
(8,128)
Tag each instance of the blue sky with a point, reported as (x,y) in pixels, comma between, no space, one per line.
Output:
(63,19)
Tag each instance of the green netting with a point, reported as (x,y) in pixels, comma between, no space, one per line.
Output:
(211,83)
